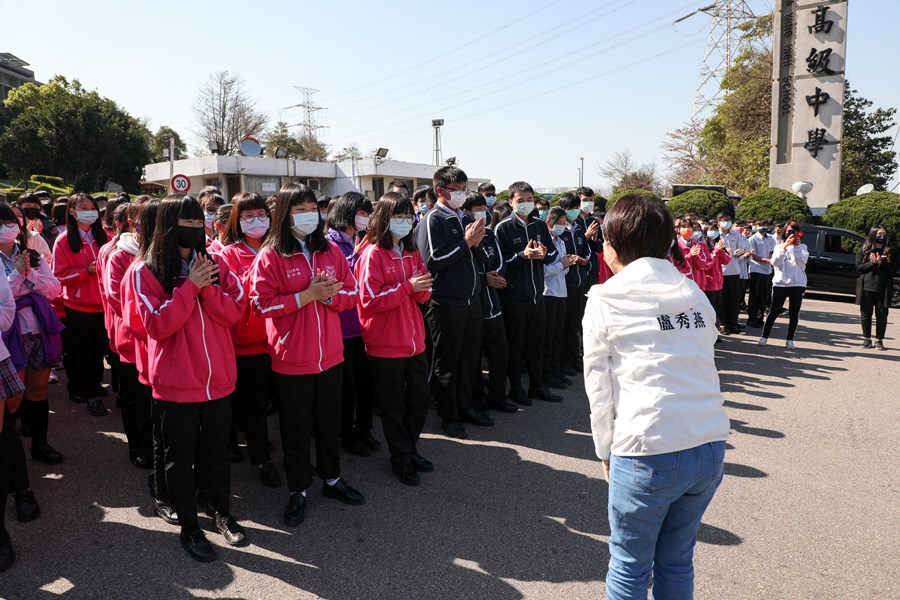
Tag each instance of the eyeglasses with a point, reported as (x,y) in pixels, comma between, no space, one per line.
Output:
(9,224)
(407,220)
(249,218)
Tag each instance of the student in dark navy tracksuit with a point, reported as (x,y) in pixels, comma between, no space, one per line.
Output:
(451,254)
(493,331)
(576,281)
(526,246)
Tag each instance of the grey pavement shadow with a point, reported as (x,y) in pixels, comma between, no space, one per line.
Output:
(742,427)
(709,534)
(743,405)
(736,470)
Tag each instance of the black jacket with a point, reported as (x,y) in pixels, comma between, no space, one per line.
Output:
(874,278)
(524,278)
(576,243)
(490,297)
(582,224)
(441,239)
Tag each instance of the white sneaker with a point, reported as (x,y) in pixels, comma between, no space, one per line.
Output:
(790,344)
(762,341)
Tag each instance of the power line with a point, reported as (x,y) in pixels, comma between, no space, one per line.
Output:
(380,80)
(530,69)
(526,41)
(553,91)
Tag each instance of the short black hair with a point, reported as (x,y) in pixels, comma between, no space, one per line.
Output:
(42,194)
(323,202)
(473,199)
(422,192)
(502,210)
(542,201)
(447,175)
(568,201)
(486,188)
(342,213)
(398,184)
(555,213)
(639,227)
(584,191)
(519,187)
(724,215)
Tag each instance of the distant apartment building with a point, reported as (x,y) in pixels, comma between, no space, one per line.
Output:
(13,73)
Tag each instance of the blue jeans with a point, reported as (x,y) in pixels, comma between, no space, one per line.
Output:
(655,506)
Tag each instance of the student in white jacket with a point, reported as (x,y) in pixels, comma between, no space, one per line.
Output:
(789,283)
(656,408)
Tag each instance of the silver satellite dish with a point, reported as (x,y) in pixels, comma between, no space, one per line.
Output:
(866,189)
(250,147)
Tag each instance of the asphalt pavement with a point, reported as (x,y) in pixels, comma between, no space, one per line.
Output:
(810,506)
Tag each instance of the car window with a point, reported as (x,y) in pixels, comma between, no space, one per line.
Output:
(836,243)
(809,238)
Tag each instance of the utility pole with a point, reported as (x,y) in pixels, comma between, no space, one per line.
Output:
(310,124)
(581,174)
(438,153)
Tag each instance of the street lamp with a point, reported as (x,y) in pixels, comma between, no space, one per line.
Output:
(281,152)
(381,155)
(438,153)
(214,147)
(581,174)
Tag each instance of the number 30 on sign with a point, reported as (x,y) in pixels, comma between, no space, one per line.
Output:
(180,184)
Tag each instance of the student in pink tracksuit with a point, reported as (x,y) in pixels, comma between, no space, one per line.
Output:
(188,302)
(300,283)
(394,283)
(694,250)
(712,286)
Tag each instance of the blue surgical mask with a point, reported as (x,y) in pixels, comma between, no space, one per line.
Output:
(712,234)
(305,223)
(423,208)
(573,214)
(491,200)
(524,208)
(558,230)
(542,214)
(400,227)
(726,225)
(479,215)
(696,235)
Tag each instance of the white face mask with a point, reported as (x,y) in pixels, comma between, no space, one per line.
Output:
(323,214)
(8,234)
(557,230)
(587,206)
(524,208)
(400,227)
(423,208)
(87,217)
(361,222)
(209,218)
(479,215)
(491,200)
(726,225)
(305,223)
(457,198)
(256,228)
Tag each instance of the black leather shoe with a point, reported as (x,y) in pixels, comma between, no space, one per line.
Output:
(100,392)
(421,464)
(520,397)
(406,474)
(7,554)
(476,417)
(196,544)
(269,475)
(504,406)
(373,444)
(455,430)
(96,408)
(296,507)
(164,511)
(45,454)
(556,384)
(233,533)
(27,508)
(356,447)
(544,394)
(570,371)
(234,454)
(78,398)
(139,460)
(342,491)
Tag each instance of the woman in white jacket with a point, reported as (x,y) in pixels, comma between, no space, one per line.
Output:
(789,283)
(656,408)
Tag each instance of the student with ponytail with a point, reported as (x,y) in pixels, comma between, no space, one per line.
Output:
(300,283)
(394,283)
(249,224)
(75,254)
(188,302)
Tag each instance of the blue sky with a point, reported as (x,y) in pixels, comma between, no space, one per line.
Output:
(525,88)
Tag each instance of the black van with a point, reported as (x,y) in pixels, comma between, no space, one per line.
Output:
(832,260)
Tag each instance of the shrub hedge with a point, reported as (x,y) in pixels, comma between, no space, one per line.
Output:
(622,193)
(861,213)
(775,204)
(707,203)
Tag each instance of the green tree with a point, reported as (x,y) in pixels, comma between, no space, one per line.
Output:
(861,213)
(160,142)
(62,129)
(866,152)
(280,137)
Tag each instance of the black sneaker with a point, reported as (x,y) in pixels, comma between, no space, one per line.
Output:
(406,474)
(96,408)
(421,464)
(476,417)
(570,371)
(519,396)
(544,394)
(295,509)
(164,511)
(233,533)
(879,345)
(27,508)
(867,343)
(268,474)
(356,447)
(46,454)
(373,444)
(455,430)
(197,546)
(342,491)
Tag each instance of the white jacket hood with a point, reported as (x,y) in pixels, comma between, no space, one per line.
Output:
(129,243)
(649,285)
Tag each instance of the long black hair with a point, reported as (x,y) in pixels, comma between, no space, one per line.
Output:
(869,246)
(147,219)
(73,236)
(389,205)
(281,237)
(164,256)
(8,214)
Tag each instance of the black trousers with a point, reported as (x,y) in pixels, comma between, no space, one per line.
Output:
(251,401)
(402,399)
(555,309)
(85,344)
(494,346)
(137,420)
(873,302)
(358,395)
(456,337)
(570,351)
(4,492)
(715,298)
(525,335)
(760,295)
(159,447)
(779,295)
(178,422)
(731,300)
(15,453)
(309,403)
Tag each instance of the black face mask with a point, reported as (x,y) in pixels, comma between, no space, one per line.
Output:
(31,213)
(189,237)
(881,239)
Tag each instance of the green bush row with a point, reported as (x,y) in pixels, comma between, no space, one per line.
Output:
(861,213)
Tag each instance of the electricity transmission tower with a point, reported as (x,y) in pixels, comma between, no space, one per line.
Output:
(310,124)
(722,46)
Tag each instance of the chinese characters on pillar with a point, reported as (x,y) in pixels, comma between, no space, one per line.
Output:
(818,64)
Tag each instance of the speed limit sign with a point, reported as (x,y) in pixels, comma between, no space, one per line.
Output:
(180,184)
